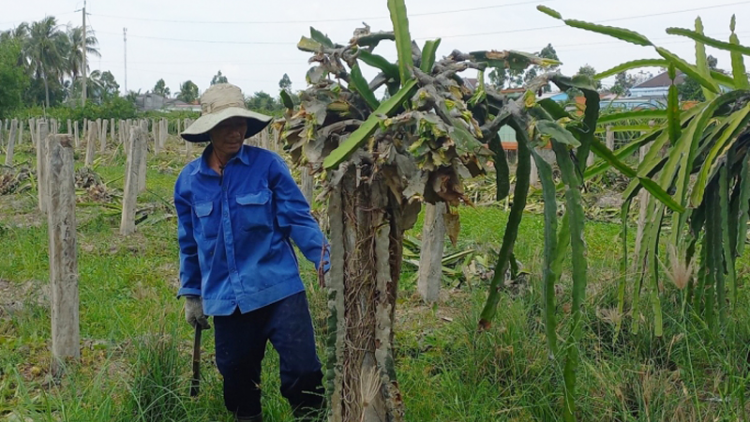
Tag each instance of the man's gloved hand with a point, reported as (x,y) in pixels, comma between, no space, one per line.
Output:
(194,312)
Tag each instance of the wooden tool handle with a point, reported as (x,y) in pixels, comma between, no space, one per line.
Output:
(196,381)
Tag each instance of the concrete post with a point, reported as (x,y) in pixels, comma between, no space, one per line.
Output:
(91,144)
(264,139)
(32,130)
(275,141)
(11,143)
(103,135)
(20,132)
(308,184)
(126,135)
(164,132)
(75,135)
(157,129)
(153,130)
(431,255)
(132,177)
(124,128)
(42,132)
(144,157)
(119,133)
(160,132)
(63,262)
(610,139)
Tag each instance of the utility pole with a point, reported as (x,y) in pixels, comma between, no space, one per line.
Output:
(125,43)
(83,69)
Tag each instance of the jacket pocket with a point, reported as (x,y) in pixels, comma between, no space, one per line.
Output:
(254,210)
(208,222)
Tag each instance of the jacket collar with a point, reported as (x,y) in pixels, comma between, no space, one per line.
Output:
(243,156)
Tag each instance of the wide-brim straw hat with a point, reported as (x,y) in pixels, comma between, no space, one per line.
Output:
(221,102)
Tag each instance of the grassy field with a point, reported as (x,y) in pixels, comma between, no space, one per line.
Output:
(136,347)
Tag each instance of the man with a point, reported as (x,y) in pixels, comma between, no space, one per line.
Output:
(238,210)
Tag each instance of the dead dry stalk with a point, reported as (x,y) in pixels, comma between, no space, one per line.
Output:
(369,384)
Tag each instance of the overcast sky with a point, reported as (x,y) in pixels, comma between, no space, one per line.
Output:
(253,42)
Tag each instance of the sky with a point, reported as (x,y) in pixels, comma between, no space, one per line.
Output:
(253,42)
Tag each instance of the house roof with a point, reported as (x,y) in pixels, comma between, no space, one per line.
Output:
(552,95)
(471,83)
(150,95)
(175,102)
(661,80)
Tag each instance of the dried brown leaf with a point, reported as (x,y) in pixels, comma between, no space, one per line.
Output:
(452,226)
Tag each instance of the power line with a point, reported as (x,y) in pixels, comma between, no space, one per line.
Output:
(204,61)
(297,62)
(669,40)
(558,47)
(193,75)
(30,20)
(540,28)
(444,12)
(444,36)
(205,41)
(562,47)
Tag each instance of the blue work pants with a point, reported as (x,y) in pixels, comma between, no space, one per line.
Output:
(241,343)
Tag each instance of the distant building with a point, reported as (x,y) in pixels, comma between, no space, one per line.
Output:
(558,96)
(150,102)
(471,83)
(177,105)
(614,102)
(656,87)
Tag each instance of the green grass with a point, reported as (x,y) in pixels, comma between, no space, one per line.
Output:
(136,347)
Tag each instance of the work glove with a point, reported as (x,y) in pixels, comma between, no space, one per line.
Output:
(194,312)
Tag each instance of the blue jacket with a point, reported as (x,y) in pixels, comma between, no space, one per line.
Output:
(235,232)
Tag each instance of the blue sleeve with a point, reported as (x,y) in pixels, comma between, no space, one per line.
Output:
(190,273)
(293,215)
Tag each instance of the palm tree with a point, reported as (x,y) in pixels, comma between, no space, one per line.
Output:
(18,35)
(161,88)
(94,84)
(188,92)
(62,44)
(44,50)
(74,54)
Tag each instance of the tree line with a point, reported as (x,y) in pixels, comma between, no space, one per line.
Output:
(41,65)
(41,68)
(49,58)
(259,101)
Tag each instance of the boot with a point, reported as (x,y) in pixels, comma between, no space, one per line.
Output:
(256,418)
